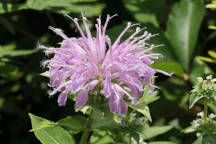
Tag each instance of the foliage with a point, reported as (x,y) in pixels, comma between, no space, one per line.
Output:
(158,118)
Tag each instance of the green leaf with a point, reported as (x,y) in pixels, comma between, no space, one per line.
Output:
(198,69)
(104,123)
(5,23)
(142,108)
(75,123)
(198,140)
(183,27)
(148,11)
(9,50)
(171,67)
(209,139)
(45,74)
(212,53)
(89,7)
(47,134)
(7,8)
(155,131)
(8,70)
(194,99)
(162,142)
(100,137)
(189,129)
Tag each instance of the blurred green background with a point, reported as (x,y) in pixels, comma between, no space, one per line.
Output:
(183,29)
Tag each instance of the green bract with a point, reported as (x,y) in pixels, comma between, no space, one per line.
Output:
(203,90)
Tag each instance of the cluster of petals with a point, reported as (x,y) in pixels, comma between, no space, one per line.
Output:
(121,67)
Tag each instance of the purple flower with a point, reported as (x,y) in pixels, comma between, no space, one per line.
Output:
(122,68)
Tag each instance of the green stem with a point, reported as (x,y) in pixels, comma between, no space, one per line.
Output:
(130,140)
(87,130)
(205,111)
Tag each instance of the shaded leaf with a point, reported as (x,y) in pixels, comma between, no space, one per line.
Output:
(7,8)
(209,139)
(198,69)
(148,11)
(8,70)
(5,23)
(162,142)
(75,123)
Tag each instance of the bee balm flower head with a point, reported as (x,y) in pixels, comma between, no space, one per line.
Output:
(122,68)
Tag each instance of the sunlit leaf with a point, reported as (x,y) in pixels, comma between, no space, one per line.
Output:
(155,131)
(194,99)
(206,59)
(51,134)
(212,54)
(189,129)
(171,67)
(142,108)
(212,27)
(183,27)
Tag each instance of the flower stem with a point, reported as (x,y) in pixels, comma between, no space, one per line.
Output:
(205,111)
(87,130)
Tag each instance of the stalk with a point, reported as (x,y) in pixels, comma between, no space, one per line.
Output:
(87,130)
(205,111)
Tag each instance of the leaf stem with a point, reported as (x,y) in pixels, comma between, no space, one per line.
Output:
(87,130)
(205,111)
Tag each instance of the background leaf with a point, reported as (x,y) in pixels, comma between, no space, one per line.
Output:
(148,11)
(183,27)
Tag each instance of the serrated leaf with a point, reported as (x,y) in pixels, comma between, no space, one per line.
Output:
(155,131)
(143,109)
(183,27)
(50,135)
